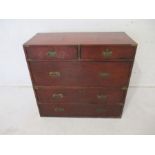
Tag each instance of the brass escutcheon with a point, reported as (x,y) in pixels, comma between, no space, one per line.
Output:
(59,109)
(104,74)
(57,96)
(54,74)
(107,53)
(100,110)
(102,97)
(51,53)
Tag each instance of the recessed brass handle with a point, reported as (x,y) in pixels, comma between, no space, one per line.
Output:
(54,74)
(59,109)
(104,75)
(102,97)
(57,96)
(107,53)
(100,110)
(52,53)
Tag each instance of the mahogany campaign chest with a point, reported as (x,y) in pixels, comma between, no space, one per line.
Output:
(80,74)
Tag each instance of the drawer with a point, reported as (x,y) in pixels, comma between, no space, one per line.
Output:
(79,110)
(107,52)
(80,73)
(96,96)
(51,52)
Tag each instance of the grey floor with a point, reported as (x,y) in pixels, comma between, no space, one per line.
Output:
(19,115)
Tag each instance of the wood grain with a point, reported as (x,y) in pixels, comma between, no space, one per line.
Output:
(81,73)
(61,52)
(80,110)
(83,38)
(103,96)
(117,52)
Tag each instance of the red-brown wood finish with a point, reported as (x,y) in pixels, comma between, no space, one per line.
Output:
(118,52)
(80,110)
(81,73)
(62,52)
(82,38)
(101,96)
(78,79)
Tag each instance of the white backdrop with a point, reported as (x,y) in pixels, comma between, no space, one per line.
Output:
(13,33)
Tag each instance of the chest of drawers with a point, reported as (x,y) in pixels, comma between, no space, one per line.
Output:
(80,74)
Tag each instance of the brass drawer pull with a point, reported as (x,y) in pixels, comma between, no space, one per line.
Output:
(100,110)
(57,96)
(54,74)
(59,109)
(107,53)
(104,75)
(52,54)
(102,97)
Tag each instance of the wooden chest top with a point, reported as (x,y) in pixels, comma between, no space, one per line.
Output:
(81,38)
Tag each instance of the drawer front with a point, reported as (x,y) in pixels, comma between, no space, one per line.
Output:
(80,73)
(95,96)
(51,52)
(107,52)
(80,110)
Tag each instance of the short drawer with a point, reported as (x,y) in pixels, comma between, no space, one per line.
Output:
(101,96)
(80,73)
(78,110)
(107,52)
(51,52)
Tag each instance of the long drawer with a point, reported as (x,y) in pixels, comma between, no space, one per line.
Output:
(97,96)
(80,73)
(80,110)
